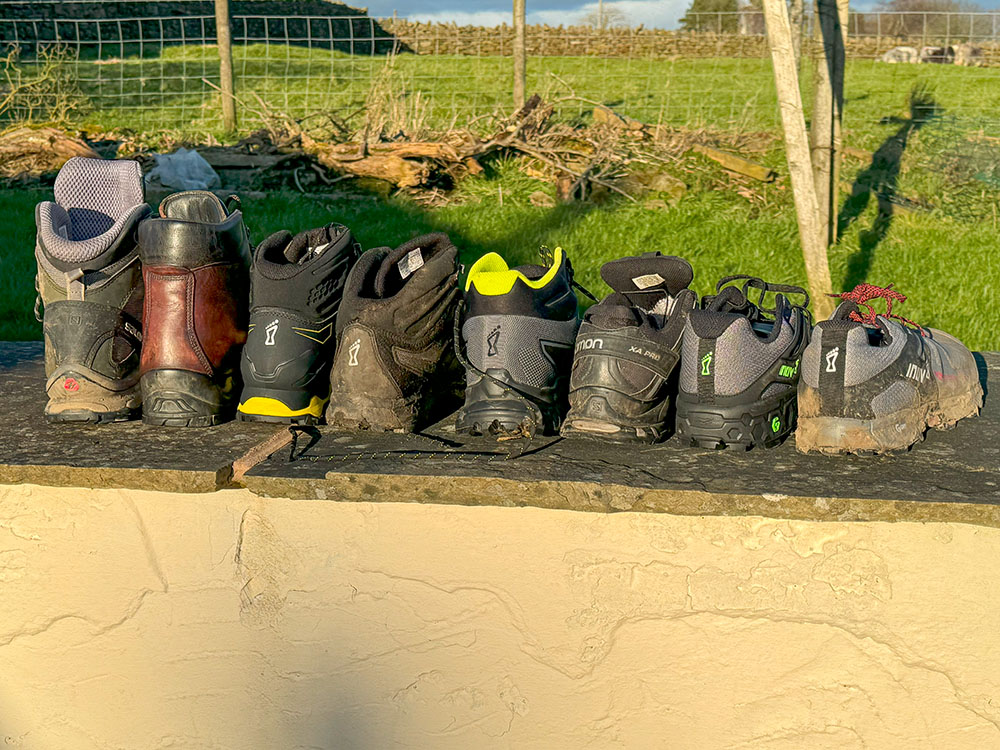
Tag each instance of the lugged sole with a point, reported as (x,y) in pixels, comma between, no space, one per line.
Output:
(356,411)
(585,427)
(763,424)
(593,414)
(500,418)
(179,398)
(78,394)
(267,409)
(893,432)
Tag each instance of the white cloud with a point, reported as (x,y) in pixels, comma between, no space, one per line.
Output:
(661,14)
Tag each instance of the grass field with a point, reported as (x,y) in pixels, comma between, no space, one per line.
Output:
(942,252)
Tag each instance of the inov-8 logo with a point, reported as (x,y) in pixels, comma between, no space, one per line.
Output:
(915,372)
(831,359)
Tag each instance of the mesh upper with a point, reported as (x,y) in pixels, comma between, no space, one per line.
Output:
(95,200)
(516,344)
(741,357)
(861,361)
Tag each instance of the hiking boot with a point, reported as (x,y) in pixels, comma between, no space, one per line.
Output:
(870,384)
(196,266)
(394,369)
(90,283)
(740,366)
(627,348)
(517,337)
(296,284)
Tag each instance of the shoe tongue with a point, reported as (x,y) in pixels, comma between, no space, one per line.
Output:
(844,310)
(194,205)
(647,273)
(308,245)
(400,264)
(532,271)
(614,311)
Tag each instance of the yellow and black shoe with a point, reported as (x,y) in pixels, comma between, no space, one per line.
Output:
(296,287)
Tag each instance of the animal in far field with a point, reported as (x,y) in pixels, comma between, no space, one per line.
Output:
(968,54)
(940,55)
(902,55)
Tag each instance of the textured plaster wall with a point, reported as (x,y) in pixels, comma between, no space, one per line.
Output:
(150,620)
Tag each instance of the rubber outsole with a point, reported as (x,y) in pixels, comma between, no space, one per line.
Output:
(891,433)
(763,424)
(179,398)
(616,433)
(78,394)
(593,413)
(277,410)
(500,418)
(356,411)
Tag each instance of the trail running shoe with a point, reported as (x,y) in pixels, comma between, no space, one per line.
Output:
(394,368)
(90,283)
(296,284)
(740,366)
(196,267)
(871,384)
(516,343)
(627,348)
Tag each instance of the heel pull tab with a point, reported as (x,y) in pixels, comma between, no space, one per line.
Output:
(706,370)
(75,286)
(832,367)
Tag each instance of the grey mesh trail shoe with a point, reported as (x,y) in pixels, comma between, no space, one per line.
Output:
(624,379)
(740,366)
(872,385)
(517,337)
(90,283)
(394,368)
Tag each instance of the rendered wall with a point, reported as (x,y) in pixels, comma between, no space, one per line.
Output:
(151,620)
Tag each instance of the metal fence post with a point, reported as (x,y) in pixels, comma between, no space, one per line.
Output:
(224,37)
(520,61)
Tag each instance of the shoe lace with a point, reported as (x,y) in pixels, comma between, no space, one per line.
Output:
(863,294)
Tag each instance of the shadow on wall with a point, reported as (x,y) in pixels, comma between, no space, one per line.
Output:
(880,179)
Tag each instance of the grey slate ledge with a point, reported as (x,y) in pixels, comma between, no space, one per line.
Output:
(951,476)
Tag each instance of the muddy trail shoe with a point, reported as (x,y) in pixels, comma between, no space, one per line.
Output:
(872,384)
(296,285)
(196,266)
(394,369)
(740,365)
(627,350)
(90,282)
(516,343)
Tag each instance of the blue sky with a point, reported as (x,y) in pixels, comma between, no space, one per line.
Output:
(662,14)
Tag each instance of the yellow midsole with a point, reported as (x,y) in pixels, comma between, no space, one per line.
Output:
(272,407)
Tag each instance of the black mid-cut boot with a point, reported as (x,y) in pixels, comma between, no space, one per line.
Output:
(296,286)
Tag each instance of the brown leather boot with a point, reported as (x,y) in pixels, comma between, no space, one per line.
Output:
(196,268)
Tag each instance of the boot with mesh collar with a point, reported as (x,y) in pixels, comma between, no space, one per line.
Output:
(394,368)
(740,365)
(623,377)
(90,282)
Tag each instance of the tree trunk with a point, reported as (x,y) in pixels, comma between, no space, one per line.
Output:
(786,79)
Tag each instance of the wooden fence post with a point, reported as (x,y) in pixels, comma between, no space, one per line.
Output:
(223,35)
(520,60)
(786,80)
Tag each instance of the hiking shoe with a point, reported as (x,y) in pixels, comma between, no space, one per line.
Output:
(627,349)
(90,283)
(394,368)
(740,366)
(196,268)
(296,285)
(870,384)
(517,337)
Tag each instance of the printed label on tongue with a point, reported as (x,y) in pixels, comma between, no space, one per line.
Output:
(410,263)
(312,252)
(648,280)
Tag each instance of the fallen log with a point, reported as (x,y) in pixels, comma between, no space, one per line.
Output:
(737,164)
(31,152)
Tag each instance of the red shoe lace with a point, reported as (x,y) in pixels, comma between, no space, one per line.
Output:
(863,293)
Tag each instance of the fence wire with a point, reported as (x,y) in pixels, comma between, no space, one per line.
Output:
(158,71)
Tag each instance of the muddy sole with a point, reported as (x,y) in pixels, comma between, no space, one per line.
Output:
(891,433)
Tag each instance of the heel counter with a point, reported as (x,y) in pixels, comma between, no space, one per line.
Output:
(358,366)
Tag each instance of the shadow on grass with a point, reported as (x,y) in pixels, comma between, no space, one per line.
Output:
(880,180)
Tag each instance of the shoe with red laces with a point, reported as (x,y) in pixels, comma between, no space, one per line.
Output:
(873,383)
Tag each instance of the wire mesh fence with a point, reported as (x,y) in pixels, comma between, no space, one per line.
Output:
(146,68)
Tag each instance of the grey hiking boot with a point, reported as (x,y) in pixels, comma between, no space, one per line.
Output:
(872,385)
(623,377)
(90,283)
(517,336)
(394,368)
(740,366)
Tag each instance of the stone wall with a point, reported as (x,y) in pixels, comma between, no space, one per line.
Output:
(141,620)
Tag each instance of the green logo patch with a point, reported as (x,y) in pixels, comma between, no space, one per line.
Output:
(706,364)
(788,371)
(775,424)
